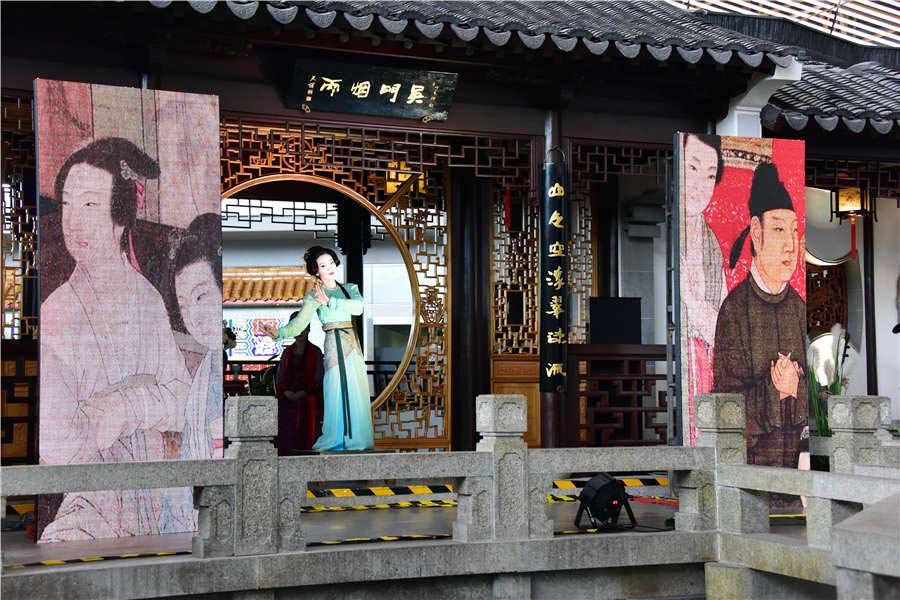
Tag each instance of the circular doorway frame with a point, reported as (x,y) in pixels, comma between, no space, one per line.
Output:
(401,245)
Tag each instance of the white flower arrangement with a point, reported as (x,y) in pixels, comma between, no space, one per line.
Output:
(827,369)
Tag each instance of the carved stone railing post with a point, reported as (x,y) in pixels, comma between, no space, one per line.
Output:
(506,511)
(720,420)
(215,523)
(696,501)
(474,512)
(864,551)
(854,421)
(720,423)
(290,502)
(822,514)
(251,423)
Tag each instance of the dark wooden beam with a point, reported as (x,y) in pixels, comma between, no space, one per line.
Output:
(869,305)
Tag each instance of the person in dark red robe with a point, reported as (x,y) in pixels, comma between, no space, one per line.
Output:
(298,388)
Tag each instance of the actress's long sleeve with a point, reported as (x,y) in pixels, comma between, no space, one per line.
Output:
(353,304)
(299,323)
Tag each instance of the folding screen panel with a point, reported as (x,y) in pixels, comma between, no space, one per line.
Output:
(131,302)
(743,286)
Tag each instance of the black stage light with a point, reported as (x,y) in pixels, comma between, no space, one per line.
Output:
(603,498)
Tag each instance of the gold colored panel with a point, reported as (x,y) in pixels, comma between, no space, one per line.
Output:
(21,390)
(31,368)
(520,374)
(507,368)
(17,447)
(9,368)
(15,409)
(424,393)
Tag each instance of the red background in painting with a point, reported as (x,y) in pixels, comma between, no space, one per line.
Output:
(728,212)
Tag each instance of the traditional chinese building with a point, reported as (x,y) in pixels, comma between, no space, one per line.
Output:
(516,160)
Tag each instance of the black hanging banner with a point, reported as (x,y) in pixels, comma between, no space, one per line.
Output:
(363,89)
(554,279)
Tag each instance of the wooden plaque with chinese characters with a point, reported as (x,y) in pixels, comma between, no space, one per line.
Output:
(368,90)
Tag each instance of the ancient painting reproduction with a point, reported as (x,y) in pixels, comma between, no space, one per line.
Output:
(743,285)
(131,302)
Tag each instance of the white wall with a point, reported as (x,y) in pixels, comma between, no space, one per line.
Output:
(829,240)
(887,303)
(285,249)
(642,261)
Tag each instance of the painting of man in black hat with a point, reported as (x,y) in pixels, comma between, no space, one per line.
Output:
(761,327)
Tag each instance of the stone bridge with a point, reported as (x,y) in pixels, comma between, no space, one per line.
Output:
(250,543)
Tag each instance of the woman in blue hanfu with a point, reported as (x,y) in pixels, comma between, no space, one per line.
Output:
(347,420)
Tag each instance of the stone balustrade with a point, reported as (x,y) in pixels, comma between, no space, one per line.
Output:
(855,421)
(250,515)
(747,559)
(866,552)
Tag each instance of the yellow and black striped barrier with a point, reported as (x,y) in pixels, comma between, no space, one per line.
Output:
(403,490)
(571,484)
(775,519)
(91,559)
(421,490)
(355,540)
(409,504)
(551,499)
(384,538)
(793,519)
(21,508)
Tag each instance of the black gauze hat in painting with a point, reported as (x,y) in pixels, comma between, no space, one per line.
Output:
(766,193)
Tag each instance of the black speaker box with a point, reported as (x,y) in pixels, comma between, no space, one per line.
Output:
(615,320)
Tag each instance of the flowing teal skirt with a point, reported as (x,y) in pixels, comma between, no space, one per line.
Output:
(347,418)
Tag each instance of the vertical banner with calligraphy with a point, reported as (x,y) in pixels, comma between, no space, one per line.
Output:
(554,279)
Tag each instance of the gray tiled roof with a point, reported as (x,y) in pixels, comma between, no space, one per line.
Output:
(864,93)
(630,27)
(867,93)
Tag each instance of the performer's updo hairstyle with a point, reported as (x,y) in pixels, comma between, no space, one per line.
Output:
(312,255)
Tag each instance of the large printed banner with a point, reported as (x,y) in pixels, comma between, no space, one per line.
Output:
(131,300)
(743,285)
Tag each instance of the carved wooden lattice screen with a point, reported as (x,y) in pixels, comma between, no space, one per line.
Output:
(881,177)
(515,253)
(417,414)
(19,283)
(826,298)
(19,221)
